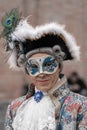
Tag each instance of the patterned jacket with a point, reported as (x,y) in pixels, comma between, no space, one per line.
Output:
(71,116)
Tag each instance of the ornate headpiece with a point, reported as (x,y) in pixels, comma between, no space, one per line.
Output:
(23,40)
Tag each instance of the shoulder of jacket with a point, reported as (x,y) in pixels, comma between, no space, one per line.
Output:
(17,102)
(77,98)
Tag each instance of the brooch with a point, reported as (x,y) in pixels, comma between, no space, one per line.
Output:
(38,96)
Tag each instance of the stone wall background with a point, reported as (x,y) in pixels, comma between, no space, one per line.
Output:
(72,13)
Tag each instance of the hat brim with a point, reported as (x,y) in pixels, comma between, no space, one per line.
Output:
(46,41)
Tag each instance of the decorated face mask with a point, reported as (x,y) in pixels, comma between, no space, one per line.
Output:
(47,65)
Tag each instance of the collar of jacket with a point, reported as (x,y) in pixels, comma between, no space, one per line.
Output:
(61,89)
(58,94)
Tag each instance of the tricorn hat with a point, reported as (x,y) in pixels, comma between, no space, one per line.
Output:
(23,40)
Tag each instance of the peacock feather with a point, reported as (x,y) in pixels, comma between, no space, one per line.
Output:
(10,21)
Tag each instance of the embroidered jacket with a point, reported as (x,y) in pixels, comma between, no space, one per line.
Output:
(71,116)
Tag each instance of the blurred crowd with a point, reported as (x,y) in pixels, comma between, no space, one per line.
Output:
(77,84)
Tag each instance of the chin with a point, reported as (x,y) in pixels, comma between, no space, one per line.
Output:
(44,88)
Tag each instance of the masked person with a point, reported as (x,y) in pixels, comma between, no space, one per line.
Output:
(40,52)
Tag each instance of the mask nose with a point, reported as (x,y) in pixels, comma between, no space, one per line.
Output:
(41,70)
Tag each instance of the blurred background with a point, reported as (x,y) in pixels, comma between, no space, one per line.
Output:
(73,14)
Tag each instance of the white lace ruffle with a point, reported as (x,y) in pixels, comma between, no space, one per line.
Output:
(35,116)
(47,124)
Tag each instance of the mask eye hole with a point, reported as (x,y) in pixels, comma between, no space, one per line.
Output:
(34,66)
(47,64)
(32,69)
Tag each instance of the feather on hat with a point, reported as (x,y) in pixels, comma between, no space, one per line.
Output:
(26,40)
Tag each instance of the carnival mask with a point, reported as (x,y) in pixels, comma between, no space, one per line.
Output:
(47,65)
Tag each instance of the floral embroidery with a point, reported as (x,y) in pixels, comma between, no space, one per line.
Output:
(68,99)
(16,104)
(73,106)
(85,103)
